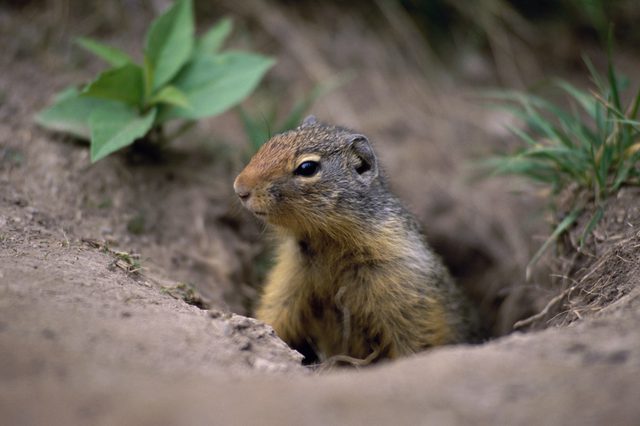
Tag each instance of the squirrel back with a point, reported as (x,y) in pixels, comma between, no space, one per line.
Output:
(354,276)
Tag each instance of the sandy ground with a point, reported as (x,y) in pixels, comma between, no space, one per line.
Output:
(88,338)
(109,348)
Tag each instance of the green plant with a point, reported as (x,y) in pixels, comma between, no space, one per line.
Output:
(181,77)
(260,126)
(593,146)
(128,262)
(186,292)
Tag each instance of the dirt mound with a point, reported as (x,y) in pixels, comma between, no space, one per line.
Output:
(90,344)
(97,263)
(84,341)
(591,275)
(61,296)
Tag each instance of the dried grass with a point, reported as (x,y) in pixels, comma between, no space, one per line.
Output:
(598,275)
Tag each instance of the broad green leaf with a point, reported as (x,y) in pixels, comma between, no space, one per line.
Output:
(70,113)
(111,55)
(121,84)
(212,40)
(215,83)
(68,93)
(170,42)
(115,127)
(171,95)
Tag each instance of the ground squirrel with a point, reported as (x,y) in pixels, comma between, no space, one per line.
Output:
(354,277)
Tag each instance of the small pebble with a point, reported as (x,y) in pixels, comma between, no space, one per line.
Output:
(242,323)
(245,345)
(268,366)
(215,314)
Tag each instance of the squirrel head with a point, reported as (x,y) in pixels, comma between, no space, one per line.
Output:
(316,178)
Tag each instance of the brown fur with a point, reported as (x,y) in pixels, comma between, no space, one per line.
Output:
(353,274)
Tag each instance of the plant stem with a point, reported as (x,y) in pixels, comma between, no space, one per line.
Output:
(184,128)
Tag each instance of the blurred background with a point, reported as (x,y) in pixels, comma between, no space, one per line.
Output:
(409,74)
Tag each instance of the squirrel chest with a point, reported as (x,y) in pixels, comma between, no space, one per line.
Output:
(353,276)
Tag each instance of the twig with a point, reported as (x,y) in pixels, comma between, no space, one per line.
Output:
(545,311)
(356,362)
(66,239)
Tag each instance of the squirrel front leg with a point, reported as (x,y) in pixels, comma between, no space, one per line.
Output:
(280,300)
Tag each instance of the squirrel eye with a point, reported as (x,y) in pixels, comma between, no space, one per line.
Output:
(307,169)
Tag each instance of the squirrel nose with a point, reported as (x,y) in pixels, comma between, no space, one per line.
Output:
(242,191)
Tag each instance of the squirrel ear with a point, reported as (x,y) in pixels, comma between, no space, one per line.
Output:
(367,168)
(310,120)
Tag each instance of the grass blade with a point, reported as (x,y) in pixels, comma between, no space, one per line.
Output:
(562,226)
(611,72)
(633,114)
(597,216)
(583,98)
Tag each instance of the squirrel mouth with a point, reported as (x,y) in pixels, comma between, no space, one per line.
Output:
(259,213)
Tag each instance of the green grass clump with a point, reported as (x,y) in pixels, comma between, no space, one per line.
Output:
(181,77)
(593,146)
